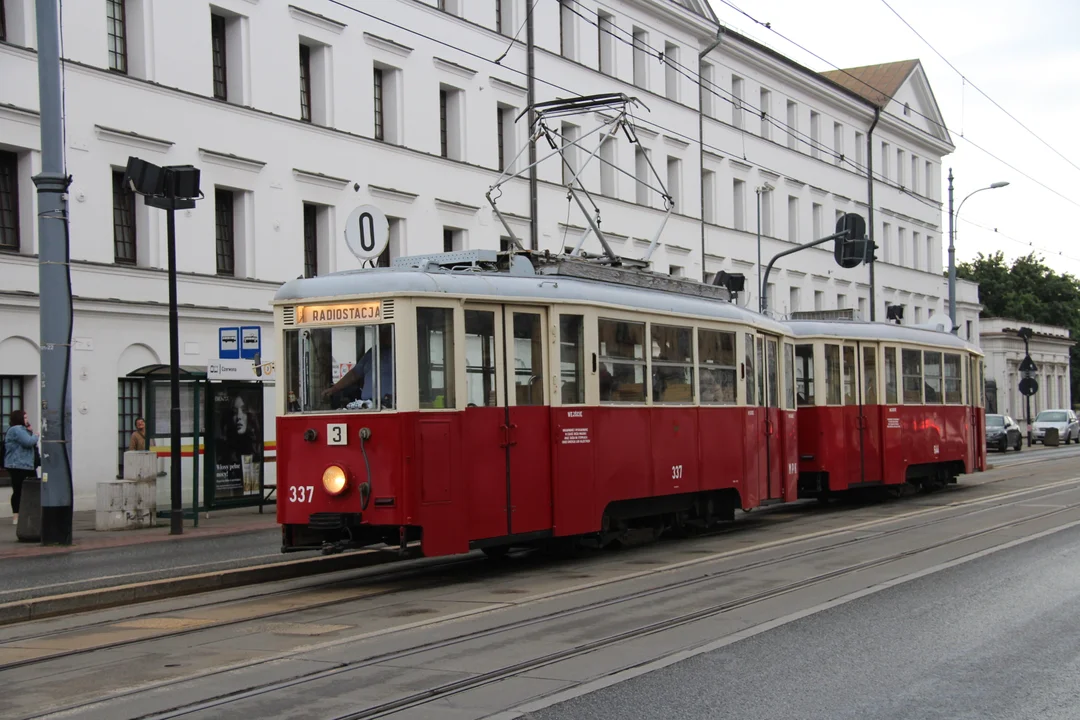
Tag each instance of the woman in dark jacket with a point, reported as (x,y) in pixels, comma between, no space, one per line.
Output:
(19,444)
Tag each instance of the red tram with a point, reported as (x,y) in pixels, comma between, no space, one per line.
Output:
(486,400)
(464,404)
(883,404)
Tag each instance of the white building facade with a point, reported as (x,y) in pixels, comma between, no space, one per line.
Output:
(1049,347)
(297,112)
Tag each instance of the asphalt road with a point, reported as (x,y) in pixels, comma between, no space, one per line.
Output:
(993,638)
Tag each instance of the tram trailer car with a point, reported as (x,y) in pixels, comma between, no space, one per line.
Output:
(508,408)
(885,405)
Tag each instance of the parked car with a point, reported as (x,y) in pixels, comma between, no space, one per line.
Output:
(1065,421)
(1003,433)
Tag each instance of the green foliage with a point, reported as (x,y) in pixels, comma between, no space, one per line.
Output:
(1029,291)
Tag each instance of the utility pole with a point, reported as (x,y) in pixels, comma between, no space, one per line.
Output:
(952,267)
(530,74)
(870,207)
(54,291)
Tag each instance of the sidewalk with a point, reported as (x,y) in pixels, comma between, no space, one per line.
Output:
(235,521)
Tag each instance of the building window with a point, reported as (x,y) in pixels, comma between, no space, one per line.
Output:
(117,29)
(605,29)
(641,172)
(504,120)
(499,17)
(794,299)
(885,160)
(737,101)
(900,167)
(443,121)
(11,398)
(929,189)
(451,111)
(708,191)
(838,142)
(860,141)
(311,240)
(379,134)
(217,35)
(226,249)
(819,221)
(453,239)
(765,105)
(792,122)
(570,167)
(674,181)
(765,198)
(123,220)
(793,218)
(914,173)
(819,299)
(129,408)
(929,253)
(9,200)
(738,199)
(641,58)
(815,134)
(671,71)
(608,185)
(305,83)
(3,22)
(566,30)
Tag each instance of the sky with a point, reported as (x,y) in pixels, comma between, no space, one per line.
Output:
(1024,56)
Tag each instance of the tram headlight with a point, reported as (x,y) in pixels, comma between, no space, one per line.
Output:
(334,480)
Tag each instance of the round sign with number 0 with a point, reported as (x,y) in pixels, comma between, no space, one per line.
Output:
(367,232)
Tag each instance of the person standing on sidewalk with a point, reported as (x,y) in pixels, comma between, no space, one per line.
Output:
(19,445)
(138,438)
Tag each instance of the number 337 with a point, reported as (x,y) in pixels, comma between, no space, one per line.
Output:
(301,493)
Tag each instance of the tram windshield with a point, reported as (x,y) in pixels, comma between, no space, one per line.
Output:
(340,368)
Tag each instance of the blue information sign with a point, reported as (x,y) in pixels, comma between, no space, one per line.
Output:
(229,343)
(250,341)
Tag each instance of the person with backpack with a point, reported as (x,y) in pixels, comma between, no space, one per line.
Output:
(20,442)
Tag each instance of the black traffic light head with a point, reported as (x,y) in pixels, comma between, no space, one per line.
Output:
(852,248)
(182,181)
(734,282)
(143,177)
(894,312)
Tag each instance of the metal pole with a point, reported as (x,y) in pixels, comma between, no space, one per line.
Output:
(952,260)
(54,279)
(530,70)
(870,207)
(176,517)
(701,141)
(761,290)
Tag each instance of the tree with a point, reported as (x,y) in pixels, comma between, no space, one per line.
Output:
(1028,291)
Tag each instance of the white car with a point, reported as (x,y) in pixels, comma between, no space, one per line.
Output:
(1065,421)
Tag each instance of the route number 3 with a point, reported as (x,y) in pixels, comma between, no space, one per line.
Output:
(337,434)
(676,472)
(301,493)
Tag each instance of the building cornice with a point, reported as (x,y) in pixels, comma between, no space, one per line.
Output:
(453,67)
(507,86)
(19,114)
(133,139)
(215,157)
(457,207)
(320,179)
(316,20)
(387,44)
(392,194)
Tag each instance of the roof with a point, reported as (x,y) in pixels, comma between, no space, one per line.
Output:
(879,332)
(875,83)
(507,288)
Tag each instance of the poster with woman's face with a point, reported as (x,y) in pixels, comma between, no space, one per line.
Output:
(239,446)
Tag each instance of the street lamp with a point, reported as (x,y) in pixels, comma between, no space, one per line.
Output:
(952,243)
(761,291)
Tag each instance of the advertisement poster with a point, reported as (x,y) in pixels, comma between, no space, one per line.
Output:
(239,440)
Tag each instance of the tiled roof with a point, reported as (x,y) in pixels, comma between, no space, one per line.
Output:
(876,83)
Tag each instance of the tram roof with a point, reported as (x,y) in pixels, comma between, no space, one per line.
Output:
(877,331)
(489,285)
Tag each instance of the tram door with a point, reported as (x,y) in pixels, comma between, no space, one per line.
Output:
(506,421)
(862,414)
(767,356)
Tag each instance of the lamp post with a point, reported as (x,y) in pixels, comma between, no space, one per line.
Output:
(953,217)
(761,290)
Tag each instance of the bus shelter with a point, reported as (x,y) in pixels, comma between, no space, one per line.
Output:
(223,450)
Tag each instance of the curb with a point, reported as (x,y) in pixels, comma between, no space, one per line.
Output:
(102,598)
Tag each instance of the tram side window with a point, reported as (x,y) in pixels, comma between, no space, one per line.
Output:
(911,366)
(890,376)
(982,383)
(572,358)
(804,374)
(832,375)
(932,373)
(480,358)
(435,357)
(773,371)
(954,394)
(789,376)
(622,361)
(716,366)
(751,398)
(850,378)
(340,368)
(672,364)
(870,376)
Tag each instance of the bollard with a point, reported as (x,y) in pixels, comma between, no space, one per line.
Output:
(29,527)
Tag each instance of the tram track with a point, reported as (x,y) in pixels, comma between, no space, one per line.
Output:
(980,505)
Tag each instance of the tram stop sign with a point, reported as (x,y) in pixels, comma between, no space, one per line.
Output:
(1029,386)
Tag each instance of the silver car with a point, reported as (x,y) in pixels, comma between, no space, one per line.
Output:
(1065,421)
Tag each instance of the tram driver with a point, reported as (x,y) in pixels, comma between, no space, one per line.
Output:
(356,388)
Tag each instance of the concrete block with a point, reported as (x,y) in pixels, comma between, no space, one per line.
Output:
(126,504)
(29,527)
(139,464)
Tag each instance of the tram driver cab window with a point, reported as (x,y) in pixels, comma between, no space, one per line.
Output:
(341,368)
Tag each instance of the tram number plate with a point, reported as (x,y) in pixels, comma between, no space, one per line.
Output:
(676,472)
(337,434)
(301,493)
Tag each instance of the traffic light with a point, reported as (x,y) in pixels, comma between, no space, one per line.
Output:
(853,248)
